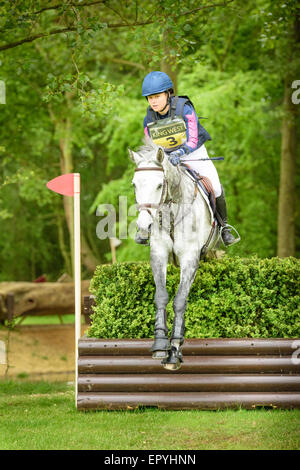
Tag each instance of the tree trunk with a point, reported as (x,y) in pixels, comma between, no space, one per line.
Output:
(61,241)
(286,202)
(66,166)
(168,63)
(286,206)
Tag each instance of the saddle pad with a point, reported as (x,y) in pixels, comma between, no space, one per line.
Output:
(205,188)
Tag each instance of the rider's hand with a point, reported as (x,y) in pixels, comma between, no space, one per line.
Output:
(174,157)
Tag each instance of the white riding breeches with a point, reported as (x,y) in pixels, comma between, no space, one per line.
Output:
(204,168)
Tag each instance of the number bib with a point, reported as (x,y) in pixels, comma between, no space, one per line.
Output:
(168,133)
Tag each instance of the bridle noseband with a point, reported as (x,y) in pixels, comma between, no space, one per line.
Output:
(148,205)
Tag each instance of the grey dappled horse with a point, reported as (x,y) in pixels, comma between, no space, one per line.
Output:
(173,216)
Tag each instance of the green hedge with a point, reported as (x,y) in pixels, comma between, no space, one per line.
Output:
(232,297)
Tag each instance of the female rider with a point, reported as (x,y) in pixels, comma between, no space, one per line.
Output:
(172,123)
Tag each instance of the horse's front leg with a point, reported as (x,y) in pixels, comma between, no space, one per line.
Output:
(188,269)
(161,345)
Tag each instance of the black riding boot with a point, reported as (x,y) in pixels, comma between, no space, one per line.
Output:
(227,237)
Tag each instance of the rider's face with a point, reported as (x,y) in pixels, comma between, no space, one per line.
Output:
(158,102)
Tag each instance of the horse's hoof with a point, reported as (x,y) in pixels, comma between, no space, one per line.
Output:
(172,366)
(160,348)
(159,354)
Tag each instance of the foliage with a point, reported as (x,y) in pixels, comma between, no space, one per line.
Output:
(82,64)
(245,127)
(232,297)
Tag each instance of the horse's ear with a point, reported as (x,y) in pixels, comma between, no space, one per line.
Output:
(160,155)
(134,157)
(131,155)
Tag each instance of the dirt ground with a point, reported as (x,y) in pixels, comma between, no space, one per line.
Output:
(38,352)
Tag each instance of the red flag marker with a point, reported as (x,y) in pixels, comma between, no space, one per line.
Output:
(69,185)
(64,184)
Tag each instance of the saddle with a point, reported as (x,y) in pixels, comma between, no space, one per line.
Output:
(205,185)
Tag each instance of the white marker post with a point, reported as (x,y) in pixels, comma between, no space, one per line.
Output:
(69,185)
(77,273)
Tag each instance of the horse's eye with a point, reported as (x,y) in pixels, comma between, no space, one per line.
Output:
(159,186)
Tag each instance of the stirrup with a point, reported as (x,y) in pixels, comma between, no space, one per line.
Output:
(231,227)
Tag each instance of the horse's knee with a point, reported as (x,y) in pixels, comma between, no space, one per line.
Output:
(179,304)
(161,298)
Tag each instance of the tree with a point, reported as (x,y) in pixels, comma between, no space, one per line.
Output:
(73,72)
(94,15)
(287,185)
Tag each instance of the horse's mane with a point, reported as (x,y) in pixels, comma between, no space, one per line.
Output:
(148,152)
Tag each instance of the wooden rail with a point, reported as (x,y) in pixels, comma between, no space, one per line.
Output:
(215,374)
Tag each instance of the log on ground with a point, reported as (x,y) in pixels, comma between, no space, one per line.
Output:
(45,298)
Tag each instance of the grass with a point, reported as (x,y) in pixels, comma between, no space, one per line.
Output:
(47,319)
(42,416)
(65,319)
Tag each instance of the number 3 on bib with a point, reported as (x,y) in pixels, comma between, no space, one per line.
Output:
(171,141)
(169,133)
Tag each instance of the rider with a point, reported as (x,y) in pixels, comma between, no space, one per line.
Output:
(172,123)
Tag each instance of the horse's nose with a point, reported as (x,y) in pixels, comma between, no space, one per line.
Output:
(143,233)
(141,240)
(142,236)
(144,222)
(143,228)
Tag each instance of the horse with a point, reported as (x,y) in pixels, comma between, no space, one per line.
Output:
(174,218)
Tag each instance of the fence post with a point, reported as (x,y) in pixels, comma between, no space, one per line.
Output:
(88,302)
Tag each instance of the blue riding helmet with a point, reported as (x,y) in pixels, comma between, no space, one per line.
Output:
(156,82)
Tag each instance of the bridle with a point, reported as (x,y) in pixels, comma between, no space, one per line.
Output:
(148,205)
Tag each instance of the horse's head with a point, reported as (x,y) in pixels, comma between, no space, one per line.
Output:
(150,185)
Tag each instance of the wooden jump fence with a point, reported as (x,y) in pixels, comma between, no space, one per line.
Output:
(215,374)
